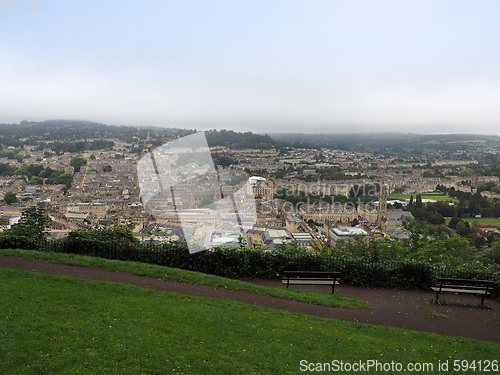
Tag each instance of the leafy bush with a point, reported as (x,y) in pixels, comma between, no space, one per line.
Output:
(32,230)
(246,263)
(375,264)
(116,242)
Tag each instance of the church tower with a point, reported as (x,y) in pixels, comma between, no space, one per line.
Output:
(382,207)
(473,181)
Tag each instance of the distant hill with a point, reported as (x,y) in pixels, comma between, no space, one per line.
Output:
(35,133)
(235,140)
(62,130)
(395,143)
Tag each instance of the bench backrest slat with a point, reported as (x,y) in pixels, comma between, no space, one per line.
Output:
(464,281)
(469,287)
(311,272)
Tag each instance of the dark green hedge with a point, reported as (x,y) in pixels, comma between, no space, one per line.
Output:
(237,263)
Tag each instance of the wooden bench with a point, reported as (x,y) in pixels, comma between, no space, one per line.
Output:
(311,278)
(482,288)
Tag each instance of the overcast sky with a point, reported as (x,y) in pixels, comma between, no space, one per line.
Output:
(424,66)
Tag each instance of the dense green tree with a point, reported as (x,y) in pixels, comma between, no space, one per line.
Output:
(236,140)
(224,159)
(10,197)
(463,228)
(46,173)
(7,153)
(418,201)
(63,179)
(492,256)
(101,144)
(32,229)
(330,173)
(476,240)
(361,190)
(493,237)
(7,169)
(77,162)
(454,221)
(419,231)
(397,205)
(22,171)
(116,238)
(35,181)
(339,198)
(20,158)
(466,172)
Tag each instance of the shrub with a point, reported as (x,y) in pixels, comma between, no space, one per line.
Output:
(119,243)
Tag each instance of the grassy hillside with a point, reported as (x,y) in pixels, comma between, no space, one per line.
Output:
(64,325)
(192,277)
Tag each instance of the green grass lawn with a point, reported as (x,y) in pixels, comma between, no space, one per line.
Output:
(482,220)
(436,196)
(176,274)
(68,325)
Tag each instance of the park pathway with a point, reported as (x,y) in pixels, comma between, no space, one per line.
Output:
(392,308)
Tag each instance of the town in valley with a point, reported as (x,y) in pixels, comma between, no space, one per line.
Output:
(306,192)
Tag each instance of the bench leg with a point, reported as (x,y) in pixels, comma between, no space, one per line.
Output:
(287,282)
(437,296)
(482,300)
